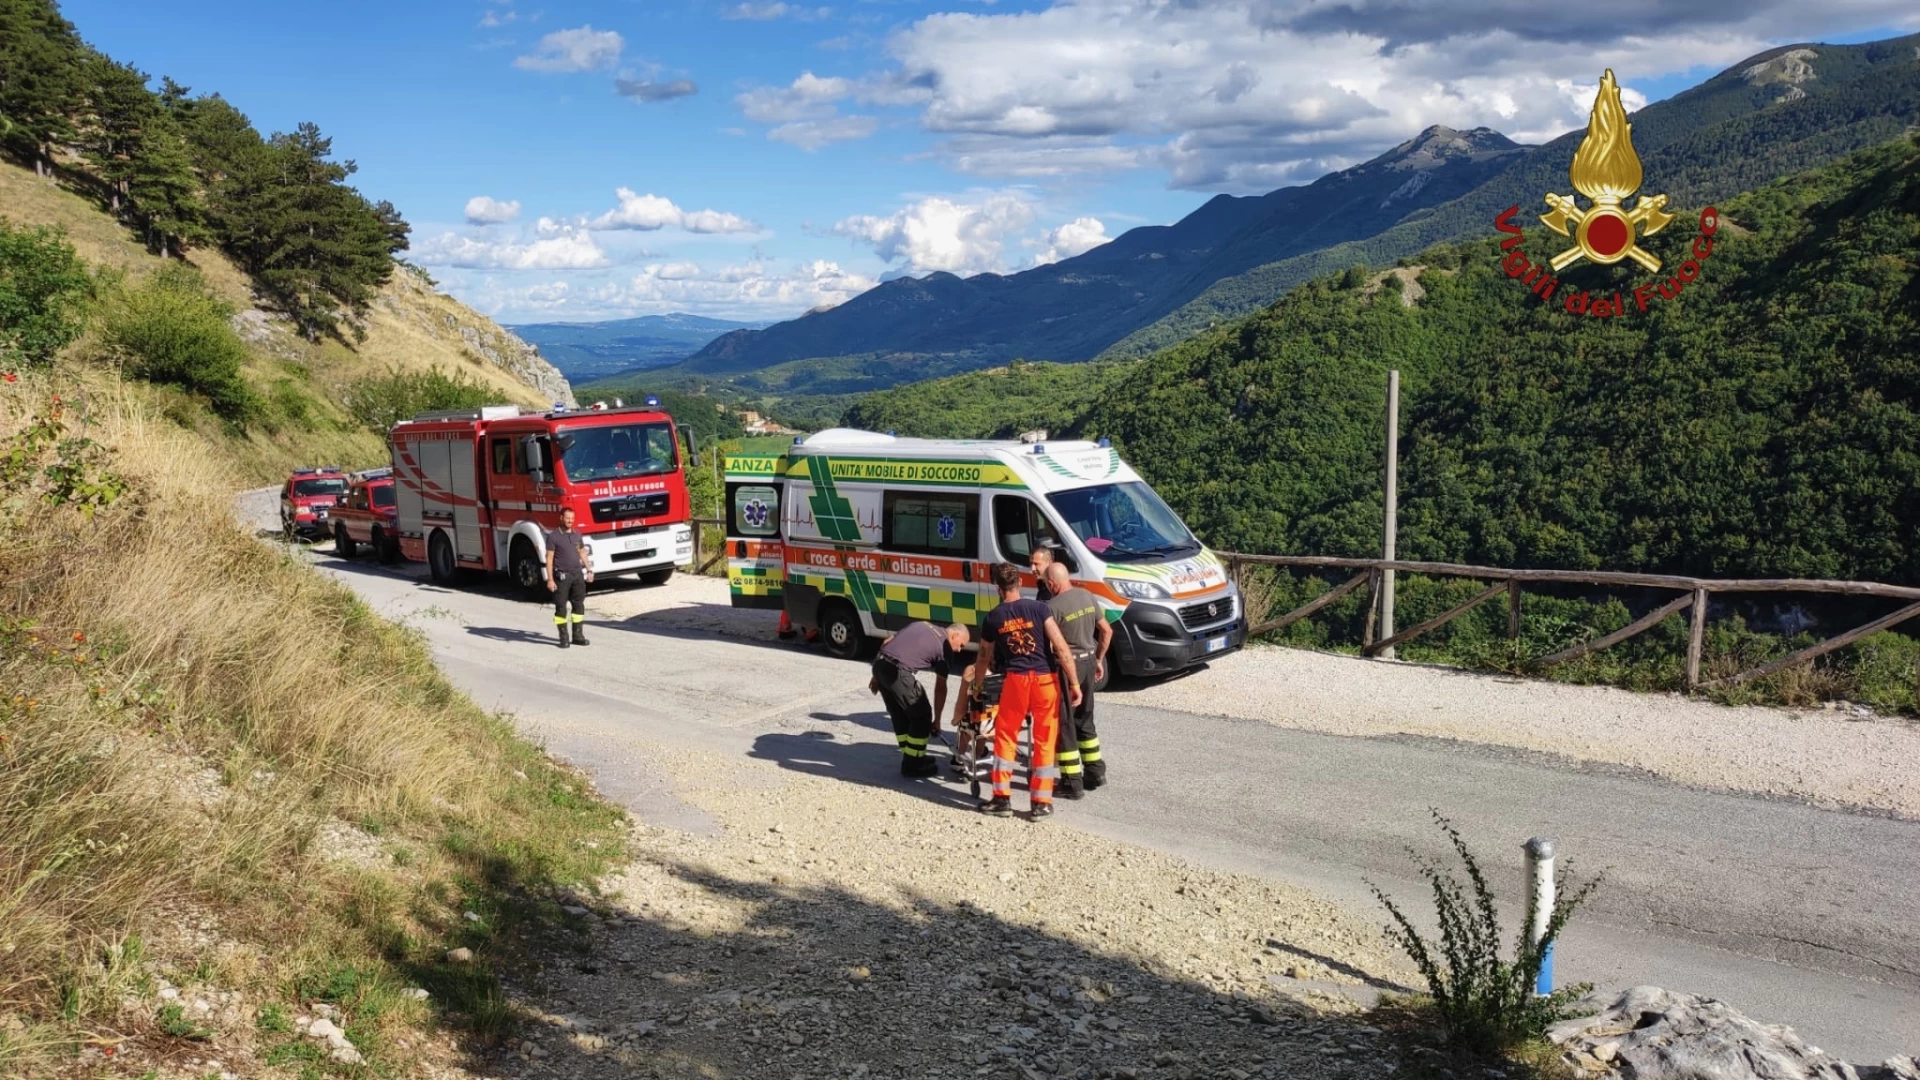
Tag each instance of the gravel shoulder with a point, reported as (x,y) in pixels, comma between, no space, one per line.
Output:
(1824,756)
(847,930)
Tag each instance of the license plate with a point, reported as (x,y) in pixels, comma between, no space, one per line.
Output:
(634,544)
(1216,644)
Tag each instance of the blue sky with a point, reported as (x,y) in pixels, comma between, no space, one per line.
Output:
(756,158)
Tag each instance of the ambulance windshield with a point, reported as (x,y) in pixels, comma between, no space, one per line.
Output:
(1125,523)
(617,450)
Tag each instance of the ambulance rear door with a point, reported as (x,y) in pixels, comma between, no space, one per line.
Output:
(753,504)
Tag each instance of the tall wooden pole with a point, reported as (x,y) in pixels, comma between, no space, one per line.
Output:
(1389,543)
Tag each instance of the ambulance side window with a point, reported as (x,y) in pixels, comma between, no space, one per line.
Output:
(502,457)
(1019,526)
(753,510)
(933,523)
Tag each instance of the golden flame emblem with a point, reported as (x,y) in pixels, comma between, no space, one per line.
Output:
(1607,171)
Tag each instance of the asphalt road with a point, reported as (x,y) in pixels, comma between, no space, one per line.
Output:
(1794,914)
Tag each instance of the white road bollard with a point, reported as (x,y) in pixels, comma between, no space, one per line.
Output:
(1540,862)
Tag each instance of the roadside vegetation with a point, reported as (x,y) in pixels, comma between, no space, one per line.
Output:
(1481,1002)
(221,774)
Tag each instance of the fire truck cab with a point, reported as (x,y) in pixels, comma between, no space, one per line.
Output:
(477,488)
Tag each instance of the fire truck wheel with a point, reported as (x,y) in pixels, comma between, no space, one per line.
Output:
(527,571)
(657,577)
(343,545)
(841,632)
(386,546)
(440,562)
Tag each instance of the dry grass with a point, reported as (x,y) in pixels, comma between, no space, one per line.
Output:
(184,709)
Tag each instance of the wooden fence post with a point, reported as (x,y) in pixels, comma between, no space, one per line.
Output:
(1696,639)
(1373,611)
(1513,609)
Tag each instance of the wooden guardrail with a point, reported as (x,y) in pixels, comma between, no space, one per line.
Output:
(1693,599)
(700,567)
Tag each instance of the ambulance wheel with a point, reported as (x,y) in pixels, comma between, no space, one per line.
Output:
(386,547)
(343,545)
(440,563)
(841,632)
(527,571)
(657,577)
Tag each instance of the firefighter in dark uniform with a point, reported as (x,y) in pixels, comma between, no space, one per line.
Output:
(1084,626)
(567,577)
(921,646)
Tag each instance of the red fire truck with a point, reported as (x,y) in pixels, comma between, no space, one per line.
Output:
(477,488)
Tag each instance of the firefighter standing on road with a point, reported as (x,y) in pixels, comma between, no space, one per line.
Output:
(1031,655)
(567,577)
(1089,636)
(922,646)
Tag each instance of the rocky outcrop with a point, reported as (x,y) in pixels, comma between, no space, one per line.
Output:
(458,332)
(1653,1034)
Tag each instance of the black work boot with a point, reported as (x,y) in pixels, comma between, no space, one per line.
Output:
(579,634)
(1069,787)
(1096,774)
(924,765)
(564,640)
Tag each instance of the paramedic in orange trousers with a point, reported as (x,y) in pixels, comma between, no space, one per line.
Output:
(1029,652)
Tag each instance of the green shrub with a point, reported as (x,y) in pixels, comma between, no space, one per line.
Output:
(385,400)
(172,330)
(44,290)
(1485,1004)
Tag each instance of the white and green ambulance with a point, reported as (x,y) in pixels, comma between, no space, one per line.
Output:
(857,534)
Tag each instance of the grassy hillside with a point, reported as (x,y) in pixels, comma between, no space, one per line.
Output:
(409,327)
(1740,129)
(228,792)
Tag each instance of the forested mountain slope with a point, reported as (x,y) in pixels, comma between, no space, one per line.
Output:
(1073,308)
(1762,423)
(1771,115)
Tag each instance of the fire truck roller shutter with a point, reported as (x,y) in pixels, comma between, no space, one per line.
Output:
(466,509)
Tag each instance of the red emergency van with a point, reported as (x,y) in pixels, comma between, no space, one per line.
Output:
(477,488)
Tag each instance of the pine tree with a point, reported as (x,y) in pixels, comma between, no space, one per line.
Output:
(40,60)
(137,148)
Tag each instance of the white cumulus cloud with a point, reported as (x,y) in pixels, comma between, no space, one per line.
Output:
(566,249)
(1076,237)
(485,210)
(940,234)
(806,112)
(755,289)
(579,49)
(1249,94)
(650,212)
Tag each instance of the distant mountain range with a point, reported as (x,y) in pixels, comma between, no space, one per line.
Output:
(1775,113)
(588,351)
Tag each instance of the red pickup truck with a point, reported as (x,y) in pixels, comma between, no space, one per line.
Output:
(308,498)
(366,515)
